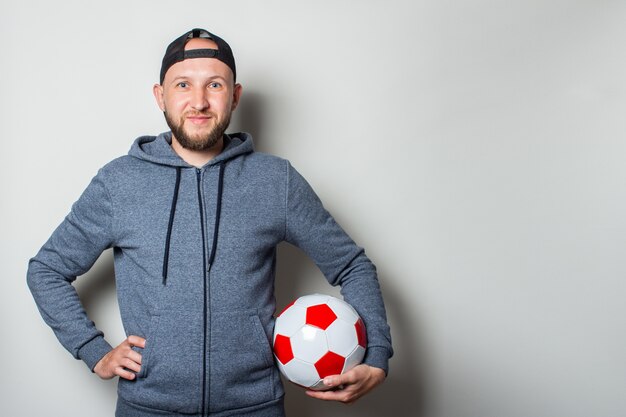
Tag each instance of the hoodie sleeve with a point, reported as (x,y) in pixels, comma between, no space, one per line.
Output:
(311,227)
(71,251)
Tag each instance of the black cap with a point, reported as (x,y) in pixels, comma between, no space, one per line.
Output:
(175,52)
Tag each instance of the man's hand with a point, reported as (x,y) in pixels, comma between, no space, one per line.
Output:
(121,360)
(350,386)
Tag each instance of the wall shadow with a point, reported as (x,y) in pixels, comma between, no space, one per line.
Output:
(404,391)
(98,282)
(96,290)
(249,118)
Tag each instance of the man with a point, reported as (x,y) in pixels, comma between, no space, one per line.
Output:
(194,217)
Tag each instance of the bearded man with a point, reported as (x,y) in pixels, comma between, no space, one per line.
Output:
(194,216)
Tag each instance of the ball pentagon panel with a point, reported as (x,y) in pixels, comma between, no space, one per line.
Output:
(282,349)
(361,332)
(320,315)
(330,364)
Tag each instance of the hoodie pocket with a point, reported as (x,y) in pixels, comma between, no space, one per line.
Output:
(145,352)
(242,371)
(171,370)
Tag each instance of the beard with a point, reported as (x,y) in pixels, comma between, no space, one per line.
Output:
(200,141)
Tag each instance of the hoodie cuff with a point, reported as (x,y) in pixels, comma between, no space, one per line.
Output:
(377,357)
(93,351)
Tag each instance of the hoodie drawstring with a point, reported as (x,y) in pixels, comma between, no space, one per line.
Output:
(166,256)
(218,211)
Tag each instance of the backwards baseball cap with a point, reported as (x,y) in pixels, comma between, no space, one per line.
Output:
(175,52)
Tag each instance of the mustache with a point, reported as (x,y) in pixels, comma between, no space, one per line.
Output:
(196,113)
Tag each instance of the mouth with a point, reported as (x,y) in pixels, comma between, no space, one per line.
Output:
(199,119)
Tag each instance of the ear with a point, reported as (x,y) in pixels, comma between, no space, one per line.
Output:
(237,90)
(157,90)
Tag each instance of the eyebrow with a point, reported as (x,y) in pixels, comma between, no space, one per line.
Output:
(211,78)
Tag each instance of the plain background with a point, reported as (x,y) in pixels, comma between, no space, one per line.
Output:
(474,148)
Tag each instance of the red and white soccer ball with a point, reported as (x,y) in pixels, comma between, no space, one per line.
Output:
(316,336)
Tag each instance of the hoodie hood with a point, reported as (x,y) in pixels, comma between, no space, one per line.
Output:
(158,149)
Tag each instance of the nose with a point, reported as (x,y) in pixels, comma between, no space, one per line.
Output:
(199,99)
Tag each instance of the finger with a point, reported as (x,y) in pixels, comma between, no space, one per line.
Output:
(136,341)
(131,365)
(134,356)
(344,396)
(123,373)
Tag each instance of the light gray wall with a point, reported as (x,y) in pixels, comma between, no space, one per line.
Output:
(475,148)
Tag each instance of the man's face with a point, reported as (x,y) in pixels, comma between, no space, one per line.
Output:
(197,97)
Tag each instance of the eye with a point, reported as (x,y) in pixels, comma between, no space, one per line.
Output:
(215,84)
(182,84)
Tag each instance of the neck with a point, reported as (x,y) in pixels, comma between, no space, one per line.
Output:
(197,158)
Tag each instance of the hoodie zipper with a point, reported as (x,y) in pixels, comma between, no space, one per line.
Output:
(204,291)
(206,342)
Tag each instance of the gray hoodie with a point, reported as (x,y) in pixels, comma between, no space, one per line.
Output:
(195,257)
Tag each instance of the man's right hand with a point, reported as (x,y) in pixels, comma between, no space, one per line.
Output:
(122,361)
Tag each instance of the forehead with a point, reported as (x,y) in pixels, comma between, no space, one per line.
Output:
(199,67)
(200,43)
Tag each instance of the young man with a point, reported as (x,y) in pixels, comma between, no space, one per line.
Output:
(194,217)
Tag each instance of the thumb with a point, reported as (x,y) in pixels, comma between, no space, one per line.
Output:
(137,341)
(333,380)
(337,380)
(350,377)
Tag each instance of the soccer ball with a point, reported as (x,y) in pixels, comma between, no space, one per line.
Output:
(316,336)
